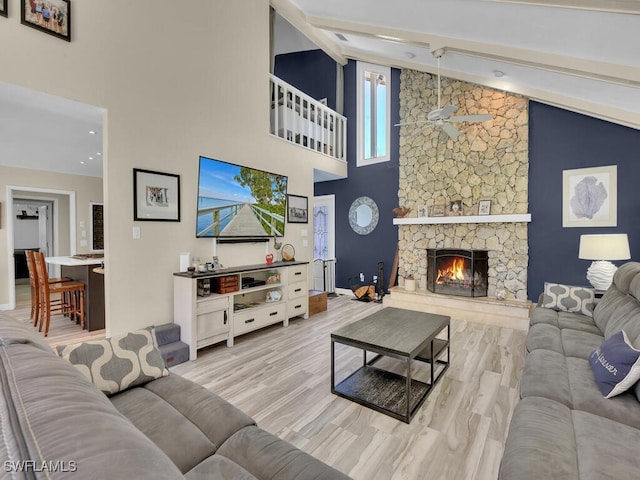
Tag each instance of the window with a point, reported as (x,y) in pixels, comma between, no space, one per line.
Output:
(373,121)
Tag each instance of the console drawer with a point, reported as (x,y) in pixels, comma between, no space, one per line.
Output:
(298,306)
(296,290)
(297,273)
(258,317)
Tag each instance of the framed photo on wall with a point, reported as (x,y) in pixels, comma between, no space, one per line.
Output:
(590,197)
(484,207)
(156,196)
(51,16)
(297,209)
(3,8)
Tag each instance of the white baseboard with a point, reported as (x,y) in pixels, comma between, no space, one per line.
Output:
(5,306)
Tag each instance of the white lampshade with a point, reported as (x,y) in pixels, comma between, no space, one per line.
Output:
(601,249)
(604,247)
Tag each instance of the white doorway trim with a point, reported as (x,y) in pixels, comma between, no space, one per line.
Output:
(11,191)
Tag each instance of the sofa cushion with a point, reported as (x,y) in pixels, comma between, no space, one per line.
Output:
(585,395)
(616,365)
(182,441)
(544,336)
(219,468)
(61,416)
(568,298)
(119,362)
(545,375)
(541,442)
(606,449)
(576,343)
(268,457)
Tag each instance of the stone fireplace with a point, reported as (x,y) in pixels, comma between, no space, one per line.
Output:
(487,161)
(458,272)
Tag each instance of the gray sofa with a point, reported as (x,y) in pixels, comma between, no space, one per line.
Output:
(563,427)
(56,424)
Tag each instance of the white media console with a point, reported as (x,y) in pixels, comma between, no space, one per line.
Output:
(253,297)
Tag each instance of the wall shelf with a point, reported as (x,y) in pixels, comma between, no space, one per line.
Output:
(509,218)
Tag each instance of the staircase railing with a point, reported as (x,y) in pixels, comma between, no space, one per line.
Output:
(298,118)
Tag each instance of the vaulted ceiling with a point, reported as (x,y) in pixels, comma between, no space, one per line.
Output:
(578,54)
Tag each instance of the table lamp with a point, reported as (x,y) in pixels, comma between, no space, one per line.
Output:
(601,249)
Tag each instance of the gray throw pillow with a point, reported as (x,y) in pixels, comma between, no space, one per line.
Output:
(568,299)
(119,362)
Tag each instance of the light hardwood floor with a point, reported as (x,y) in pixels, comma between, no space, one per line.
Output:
(281,378)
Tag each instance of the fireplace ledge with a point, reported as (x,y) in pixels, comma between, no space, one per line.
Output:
(508,218)
(486,310)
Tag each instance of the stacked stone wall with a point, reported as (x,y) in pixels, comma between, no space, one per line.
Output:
(487,161)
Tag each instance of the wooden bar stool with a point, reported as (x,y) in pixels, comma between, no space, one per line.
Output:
(71,292)
(35,289)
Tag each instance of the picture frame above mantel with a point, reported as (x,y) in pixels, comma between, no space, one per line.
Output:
(504,218)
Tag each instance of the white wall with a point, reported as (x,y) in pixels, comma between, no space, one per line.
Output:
(177,81)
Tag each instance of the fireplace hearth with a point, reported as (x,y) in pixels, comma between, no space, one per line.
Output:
(457,272)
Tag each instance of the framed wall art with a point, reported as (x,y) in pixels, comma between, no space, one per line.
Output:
(3,8)
(156,196)
(297,209)
(49,16)
(589,197)
(484,207)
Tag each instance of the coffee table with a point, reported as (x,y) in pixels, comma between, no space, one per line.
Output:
(402,334)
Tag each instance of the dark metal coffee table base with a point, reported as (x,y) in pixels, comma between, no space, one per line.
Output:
(398,396)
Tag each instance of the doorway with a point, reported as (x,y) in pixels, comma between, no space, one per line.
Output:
(54,225)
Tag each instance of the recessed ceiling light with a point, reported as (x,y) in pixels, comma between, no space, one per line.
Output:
(82,162)
(90,158)
(410,54)
(342,37)
(99,153)
(498,73)
(91,132)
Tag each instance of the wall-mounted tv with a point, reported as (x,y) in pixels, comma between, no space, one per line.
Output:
(236,202)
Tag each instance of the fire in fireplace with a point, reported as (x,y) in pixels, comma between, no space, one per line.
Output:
(457,272)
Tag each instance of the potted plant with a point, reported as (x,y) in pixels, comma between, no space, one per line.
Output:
(410,283)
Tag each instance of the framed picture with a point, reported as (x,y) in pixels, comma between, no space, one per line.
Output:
(156,196)
(3,8)
(589,197)
(437,210)
(297,209)
(484,207)
(423,211)
(49,16)
(455,208)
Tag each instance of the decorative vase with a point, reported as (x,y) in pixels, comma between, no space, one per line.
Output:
(410,284)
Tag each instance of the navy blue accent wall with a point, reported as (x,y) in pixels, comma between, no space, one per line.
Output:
(562,140)
(361,253)
(313,72)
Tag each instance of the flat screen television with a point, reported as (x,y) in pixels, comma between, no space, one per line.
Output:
(236,202)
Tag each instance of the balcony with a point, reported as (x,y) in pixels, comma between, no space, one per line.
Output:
(299,119)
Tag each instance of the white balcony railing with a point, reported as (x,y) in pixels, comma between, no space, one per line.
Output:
(300,119)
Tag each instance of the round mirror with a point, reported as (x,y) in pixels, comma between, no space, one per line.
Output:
(363,215)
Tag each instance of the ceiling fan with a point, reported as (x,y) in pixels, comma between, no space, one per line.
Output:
(442,116)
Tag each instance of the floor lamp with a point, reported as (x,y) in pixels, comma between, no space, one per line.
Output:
(602,249)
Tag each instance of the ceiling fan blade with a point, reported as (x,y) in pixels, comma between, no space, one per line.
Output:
(402,124)
(447,110)
(450,130)
(418,131)
(471,118)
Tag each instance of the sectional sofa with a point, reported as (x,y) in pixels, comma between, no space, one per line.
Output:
(563,426)
(57,422)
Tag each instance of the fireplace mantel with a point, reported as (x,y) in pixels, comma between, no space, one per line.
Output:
(509,218)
